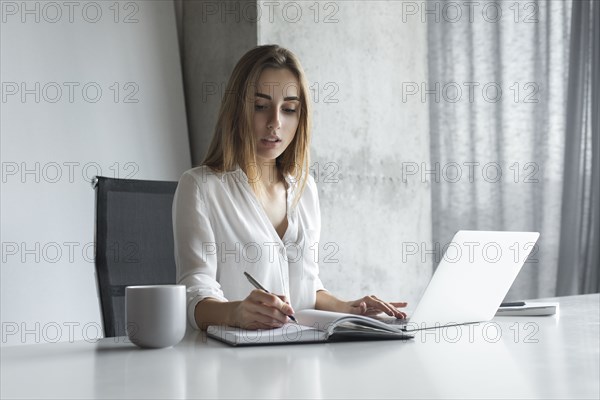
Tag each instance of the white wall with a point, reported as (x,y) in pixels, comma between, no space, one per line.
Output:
(48,289)
(356,55)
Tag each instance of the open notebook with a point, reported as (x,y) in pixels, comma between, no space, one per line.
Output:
(313,326)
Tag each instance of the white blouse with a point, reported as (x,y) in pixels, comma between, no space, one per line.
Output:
(221,230)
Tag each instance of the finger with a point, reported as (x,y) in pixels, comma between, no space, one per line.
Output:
(392,306)
(268,299)
(283,298)
(373,311)
(280,302)
(358,307)
(397,313)
(260,296)
(254,312)
(269,309)
(399,304)
(271,300)
(262,313)
(400,314)
(252,318)
(374,302)
(286,310)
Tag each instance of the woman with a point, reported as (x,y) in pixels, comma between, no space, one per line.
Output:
(253,207)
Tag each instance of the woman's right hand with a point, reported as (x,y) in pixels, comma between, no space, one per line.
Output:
(261,310)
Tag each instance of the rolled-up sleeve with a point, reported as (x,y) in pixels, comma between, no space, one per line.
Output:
(194,242)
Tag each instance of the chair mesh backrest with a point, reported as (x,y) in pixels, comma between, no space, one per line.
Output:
(134,242)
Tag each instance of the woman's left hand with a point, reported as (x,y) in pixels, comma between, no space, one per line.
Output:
(372,305)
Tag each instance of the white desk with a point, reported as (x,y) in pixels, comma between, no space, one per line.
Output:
(543,357)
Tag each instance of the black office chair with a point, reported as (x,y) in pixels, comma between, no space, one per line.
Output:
(134,242)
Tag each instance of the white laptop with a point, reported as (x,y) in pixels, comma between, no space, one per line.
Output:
(470,282)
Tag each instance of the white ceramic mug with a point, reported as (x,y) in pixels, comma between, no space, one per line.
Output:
(155,315)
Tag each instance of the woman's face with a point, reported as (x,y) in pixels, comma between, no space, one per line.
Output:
(276,112)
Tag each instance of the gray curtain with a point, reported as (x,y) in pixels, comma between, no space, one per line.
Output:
(579,261)
(210,44)
(508,149)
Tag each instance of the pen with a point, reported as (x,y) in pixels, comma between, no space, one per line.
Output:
(257,285)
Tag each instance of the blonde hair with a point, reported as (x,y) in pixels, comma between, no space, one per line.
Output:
(233,141)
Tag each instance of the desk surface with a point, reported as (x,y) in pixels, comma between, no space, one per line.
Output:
(540,357)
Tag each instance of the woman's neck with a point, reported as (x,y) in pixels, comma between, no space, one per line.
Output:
(269,173)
